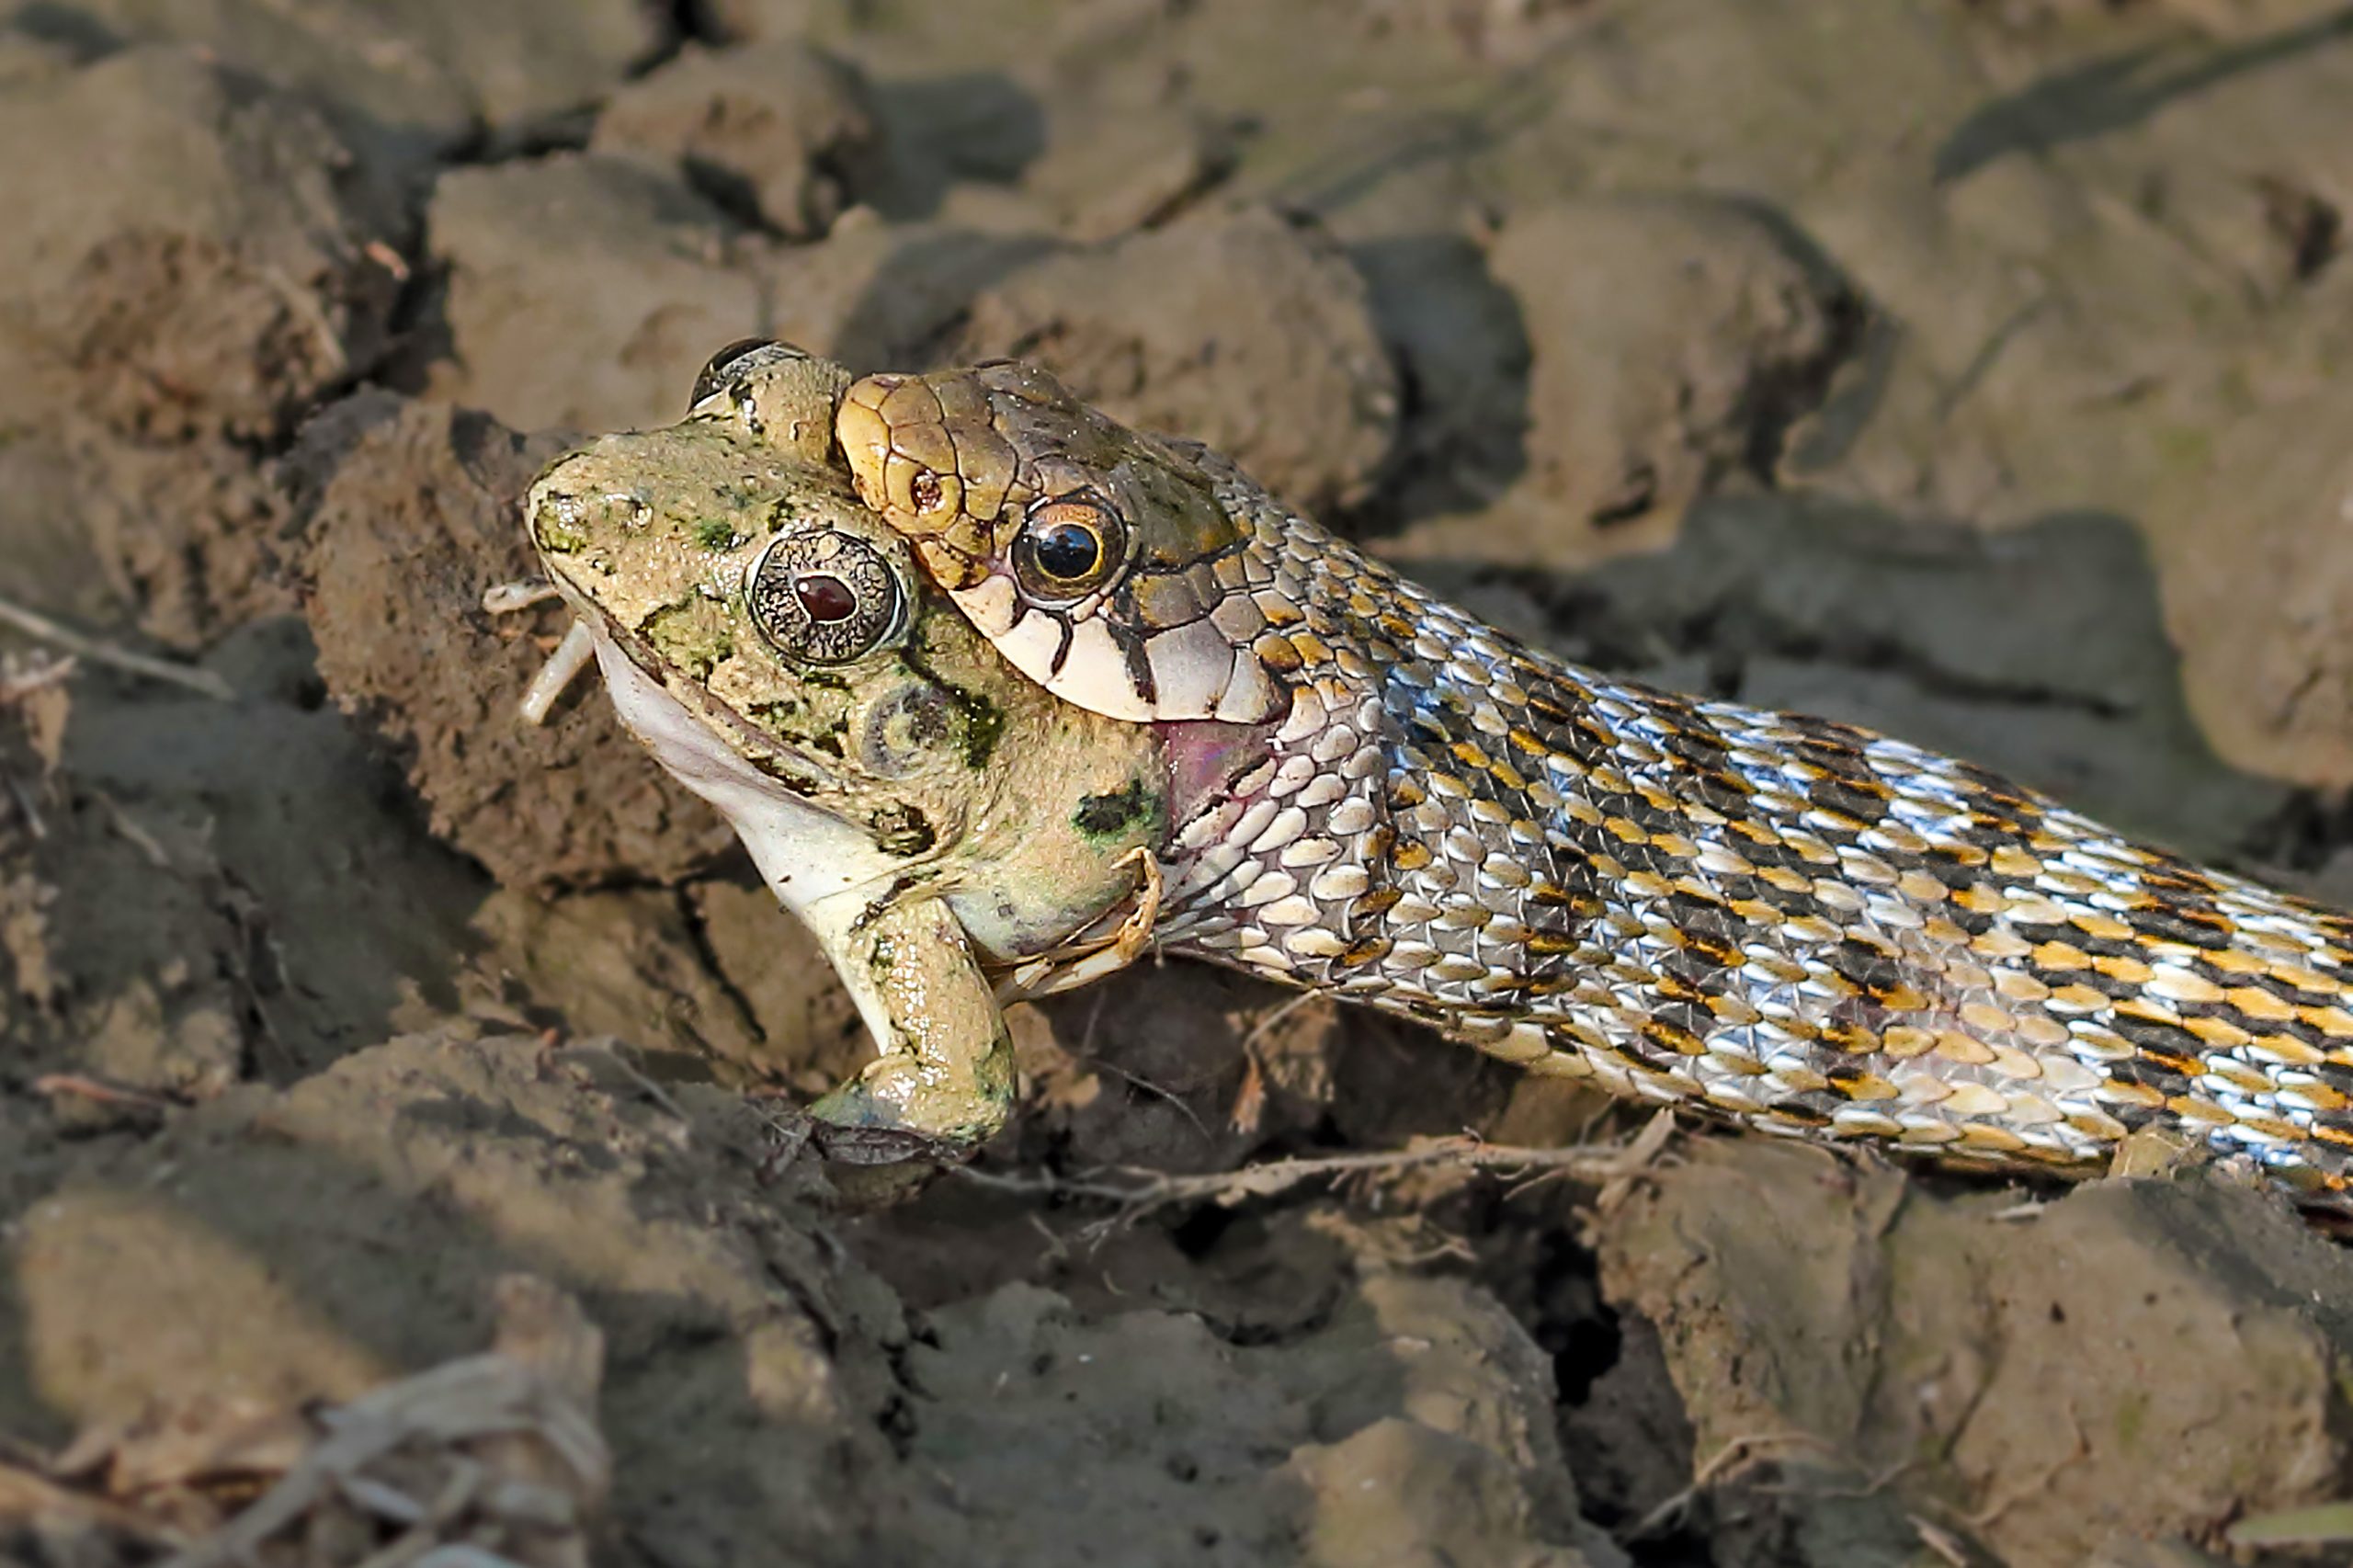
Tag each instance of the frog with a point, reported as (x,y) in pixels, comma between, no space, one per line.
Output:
(951,834)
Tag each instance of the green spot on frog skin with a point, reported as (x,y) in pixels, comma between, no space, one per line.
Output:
(900,829)
(806,726)
(694,635)
(1119,815)
(983,723)
(553,533)
(983,720)
(790,722)
(716,533)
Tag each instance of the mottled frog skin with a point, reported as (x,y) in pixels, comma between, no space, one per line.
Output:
(933,817)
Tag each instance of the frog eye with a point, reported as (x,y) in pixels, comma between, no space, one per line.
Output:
(714,377)
(1068,547)
(823,597)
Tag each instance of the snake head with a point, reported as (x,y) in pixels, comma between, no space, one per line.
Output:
(1104,562)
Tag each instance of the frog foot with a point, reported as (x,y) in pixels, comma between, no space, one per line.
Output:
(859,1126)
(523,593)
(864,1169)
(1080,963)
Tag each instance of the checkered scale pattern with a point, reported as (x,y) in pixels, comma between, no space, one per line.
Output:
(1805,926)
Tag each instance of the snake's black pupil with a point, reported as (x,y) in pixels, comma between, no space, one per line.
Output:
(1068,550)
(826,599)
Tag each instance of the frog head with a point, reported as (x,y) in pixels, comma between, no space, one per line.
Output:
(775,644)
(936,818)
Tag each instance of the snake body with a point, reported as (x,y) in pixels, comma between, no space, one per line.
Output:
(1797,924)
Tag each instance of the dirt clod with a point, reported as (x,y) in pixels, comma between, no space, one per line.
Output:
(781,135)
(162,321)
(585,289)
(409,511)
(216,284)
(2035,1368)
(1674,343)
(1249,333)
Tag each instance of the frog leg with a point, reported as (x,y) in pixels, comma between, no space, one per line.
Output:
(564,665)
(1081,963)
(944,1082)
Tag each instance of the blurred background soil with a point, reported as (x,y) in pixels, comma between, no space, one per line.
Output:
(1976,370)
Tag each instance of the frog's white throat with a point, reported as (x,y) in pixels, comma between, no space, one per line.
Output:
(819,866)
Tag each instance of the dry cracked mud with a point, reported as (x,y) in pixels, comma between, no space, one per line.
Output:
(387,1106)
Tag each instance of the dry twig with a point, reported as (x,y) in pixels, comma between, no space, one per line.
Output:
(1138,1192)
(1735,1455)
(33,624)
(81,1088)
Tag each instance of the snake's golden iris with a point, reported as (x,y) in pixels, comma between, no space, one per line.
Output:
(1068,546)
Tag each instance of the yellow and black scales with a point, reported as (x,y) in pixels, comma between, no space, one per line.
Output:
(1810,928)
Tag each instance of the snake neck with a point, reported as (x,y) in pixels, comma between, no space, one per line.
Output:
(1793,922)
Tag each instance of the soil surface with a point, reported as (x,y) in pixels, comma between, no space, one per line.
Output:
(388,1102)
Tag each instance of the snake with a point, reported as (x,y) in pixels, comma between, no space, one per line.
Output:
(1793,924)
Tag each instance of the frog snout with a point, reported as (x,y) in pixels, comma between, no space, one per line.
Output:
(567,516)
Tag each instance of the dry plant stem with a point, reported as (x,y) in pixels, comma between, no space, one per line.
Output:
(132,834)
(2326,1524)
(1941,1542)
(1735,1454)
(1141,1191)
(33,624)
(616,1054)
(482,1396)
(87,1088)
(17,682)
(27,807)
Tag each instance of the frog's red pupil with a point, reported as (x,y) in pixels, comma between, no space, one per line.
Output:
(825,598)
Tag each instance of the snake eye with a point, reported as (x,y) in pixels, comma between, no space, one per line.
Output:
(1068,546)
(823,597)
